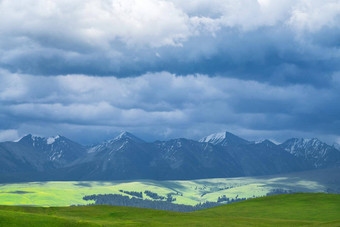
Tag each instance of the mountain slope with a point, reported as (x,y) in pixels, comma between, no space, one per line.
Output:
(314,151)
(16,157)
(128,157)
(223,139)
(123,157)
(265,158)
(188,159)
(336,146)
(33,153)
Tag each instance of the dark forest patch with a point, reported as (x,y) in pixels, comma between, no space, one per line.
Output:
(18,192)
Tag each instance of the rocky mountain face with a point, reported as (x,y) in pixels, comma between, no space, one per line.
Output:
(128,157)
(33,153)
(223,139)
(314,151)
(336,146)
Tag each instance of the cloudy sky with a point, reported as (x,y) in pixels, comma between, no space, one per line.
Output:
(162,69)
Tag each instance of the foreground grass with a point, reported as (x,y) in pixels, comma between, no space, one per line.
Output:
(279,210)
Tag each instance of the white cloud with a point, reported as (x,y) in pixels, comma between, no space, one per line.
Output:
(281,42)
(98,23)
(132,37)
(8,135)
(94,22)
(312,15)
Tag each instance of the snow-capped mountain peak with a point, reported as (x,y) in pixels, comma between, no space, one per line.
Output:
(57,149)
(266,142)
(336,146)
(223,138)
(27,137)
(295,144)
(127,136)
(31,139)
(315,151)
(117,143)
(214,138)
(51,140)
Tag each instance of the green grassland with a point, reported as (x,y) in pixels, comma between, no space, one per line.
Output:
(310,209)
(66,193)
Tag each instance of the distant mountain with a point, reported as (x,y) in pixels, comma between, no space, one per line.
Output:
(314,151)
(34,153)
(189,159)
(58,150)
(116,143)
(129,157)
(264,158)
(223,139)
(336,146)
(123,157)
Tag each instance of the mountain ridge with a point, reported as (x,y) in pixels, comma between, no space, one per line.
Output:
(223,138)
(129,157)
(313,150)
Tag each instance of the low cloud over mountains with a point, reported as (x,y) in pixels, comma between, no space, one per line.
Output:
(168,68)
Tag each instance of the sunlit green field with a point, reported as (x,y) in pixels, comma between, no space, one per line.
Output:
(279,210)
(66,193)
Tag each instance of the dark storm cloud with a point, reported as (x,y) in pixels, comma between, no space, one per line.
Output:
(269,54)
(170,68)
(164,105)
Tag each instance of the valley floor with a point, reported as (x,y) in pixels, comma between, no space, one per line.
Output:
(301,209)
(189,192)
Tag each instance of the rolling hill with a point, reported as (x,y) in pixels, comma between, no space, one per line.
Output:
(279,210)
(186,192)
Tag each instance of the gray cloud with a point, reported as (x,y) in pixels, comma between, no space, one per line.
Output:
(163,105)
(281,42)
(170,68)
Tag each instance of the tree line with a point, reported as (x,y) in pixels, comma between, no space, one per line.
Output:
(121,200)
(161,202)
(133,193)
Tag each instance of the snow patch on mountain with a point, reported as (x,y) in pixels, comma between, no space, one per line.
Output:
(51,140)
(313,150)
(308,146)
(30,137)
(116,144)
(127,136)
(223,138)
(214,138)
(92,149)
(258,141)
(266,140)
(336,146)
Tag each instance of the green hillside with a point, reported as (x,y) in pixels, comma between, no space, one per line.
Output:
(279,210)
(188,192)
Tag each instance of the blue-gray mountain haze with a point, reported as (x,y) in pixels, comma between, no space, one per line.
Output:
(125,157)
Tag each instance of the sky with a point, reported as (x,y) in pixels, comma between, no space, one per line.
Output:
(163,69)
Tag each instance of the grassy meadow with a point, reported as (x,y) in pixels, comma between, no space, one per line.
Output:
(191,192)
(301,209)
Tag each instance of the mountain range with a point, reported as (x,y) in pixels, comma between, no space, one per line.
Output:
(126,156)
